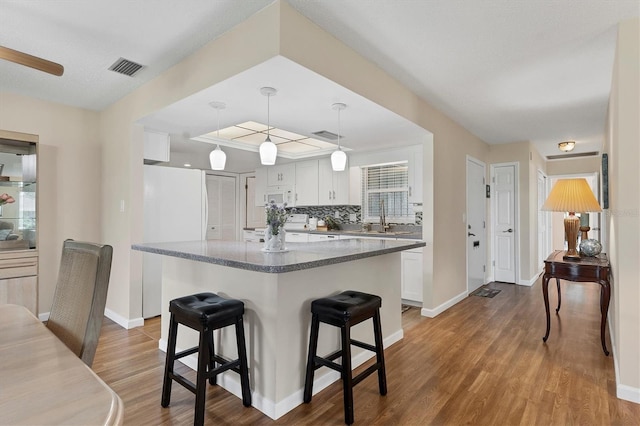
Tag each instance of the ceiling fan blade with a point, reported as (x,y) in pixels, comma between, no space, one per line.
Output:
(31,61)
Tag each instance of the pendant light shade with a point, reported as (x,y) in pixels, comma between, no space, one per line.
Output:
(217,157)
(268,150)
(338,158)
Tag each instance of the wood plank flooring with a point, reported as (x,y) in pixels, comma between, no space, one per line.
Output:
(480,362)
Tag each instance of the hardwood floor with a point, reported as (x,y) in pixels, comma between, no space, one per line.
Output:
(480,362)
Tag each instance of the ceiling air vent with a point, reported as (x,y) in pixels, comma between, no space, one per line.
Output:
(325,134)
(125,66)
(573,155)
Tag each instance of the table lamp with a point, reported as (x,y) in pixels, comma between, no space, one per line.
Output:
(571,195)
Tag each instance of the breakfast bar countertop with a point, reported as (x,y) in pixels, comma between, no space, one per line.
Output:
(299,256)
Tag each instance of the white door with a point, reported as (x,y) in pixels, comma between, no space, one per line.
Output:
(221,217)
(255,215)
(476,238)
(504,223)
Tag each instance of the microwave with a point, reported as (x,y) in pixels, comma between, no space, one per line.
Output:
(280,195)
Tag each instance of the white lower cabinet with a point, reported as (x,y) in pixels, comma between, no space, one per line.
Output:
(411,271)
(323,237)
(296,237)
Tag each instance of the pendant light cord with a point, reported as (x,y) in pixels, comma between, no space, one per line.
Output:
(339,130)
(268,115)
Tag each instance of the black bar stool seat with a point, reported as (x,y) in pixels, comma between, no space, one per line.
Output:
(345,310)
(205,312)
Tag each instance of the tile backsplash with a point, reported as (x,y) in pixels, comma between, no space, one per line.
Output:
(345,213)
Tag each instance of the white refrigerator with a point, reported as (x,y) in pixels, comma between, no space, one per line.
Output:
(175,209)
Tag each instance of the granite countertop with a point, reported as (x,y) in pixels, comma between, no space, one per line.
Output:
(246,255)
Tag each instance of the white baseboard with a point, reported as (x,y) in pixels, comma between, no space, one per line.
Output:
(628,393)
(230,381)
(531,281)
(432,313)
(44,316)
(122,321)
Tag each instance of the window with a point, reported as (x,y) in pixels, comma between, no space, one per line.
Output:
(388,183)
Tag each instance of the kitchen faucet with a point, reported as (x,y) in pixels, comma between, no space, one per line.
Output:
(383,222)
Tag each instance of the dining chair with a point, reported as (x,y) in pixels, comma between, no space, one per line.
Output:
(80,296)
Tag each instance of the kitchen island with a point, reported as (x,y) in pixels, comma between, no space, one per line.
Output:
(277,290)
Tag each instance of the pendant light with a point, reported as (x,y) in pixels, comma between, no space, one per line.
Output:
(268,150)
(217,157)
(338,158)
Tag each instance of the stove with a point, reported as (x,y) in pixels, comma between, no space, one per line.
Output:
(296,222)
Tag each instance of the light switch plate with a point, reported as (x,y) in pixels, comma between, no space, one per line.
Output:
(336,214)
(352,217)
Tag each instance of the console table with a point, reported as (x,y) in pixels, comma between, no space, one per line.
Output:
(586,269)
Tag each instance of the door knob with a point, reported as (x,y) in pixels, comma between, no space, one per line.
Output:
(469,234)
(508,230)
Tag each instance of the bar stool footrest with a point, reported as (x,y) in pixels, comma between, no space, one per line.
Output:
(363,345)
(186,352)
(366,373)
(188,384)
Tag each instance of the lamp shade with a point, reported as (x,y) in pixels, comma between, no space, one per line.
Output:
(571,195)
(338,160)
(217,158)
(268,153)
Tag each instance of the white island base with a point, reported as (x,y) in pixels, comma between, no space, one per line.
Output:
(277,320)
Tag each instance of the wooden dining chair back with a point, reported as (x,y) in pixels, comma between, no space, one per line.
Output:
(80,297)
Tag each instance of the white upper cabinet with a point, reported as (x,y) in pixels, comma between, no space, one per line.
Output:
(415,174)
(281,175)
(156,146)
(306,183)
(333,187)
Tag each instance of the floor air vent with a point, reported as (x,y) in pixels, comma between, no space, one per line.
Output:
(125,66)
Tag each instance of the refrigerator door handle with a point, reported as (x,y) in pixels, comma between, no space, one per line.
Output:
(205,199)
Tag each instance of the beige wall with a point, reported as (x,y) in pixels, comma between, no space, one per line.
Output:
(573,166)
(68,181)
(623,215)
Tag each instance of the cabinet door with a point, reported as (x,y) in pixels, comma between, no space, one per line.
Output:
(156,146)
(341,187)
(412,275)
(281,175)
(261,187)
(415,175)
(306,183)
(296,237)
(325,182)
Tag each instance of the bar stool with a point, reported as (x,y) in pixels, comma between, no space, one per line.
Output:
(345,310)
(205,312)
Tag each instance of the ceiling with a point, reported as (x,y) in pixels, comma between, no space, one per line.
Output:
(506,70)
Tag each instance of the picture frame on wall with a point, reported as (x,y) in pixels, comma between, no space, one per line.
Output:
(605,181)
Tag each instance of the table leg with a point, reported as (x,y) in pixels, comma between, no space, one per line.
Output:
(605,295)
(545,294)
(559,297)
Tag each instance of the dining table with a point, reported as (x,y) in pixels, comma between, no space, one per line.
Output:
(42,382)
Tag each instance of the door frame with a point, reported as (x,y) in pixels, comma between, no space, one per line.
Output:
(516,212)
(544,221)
(484,241)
